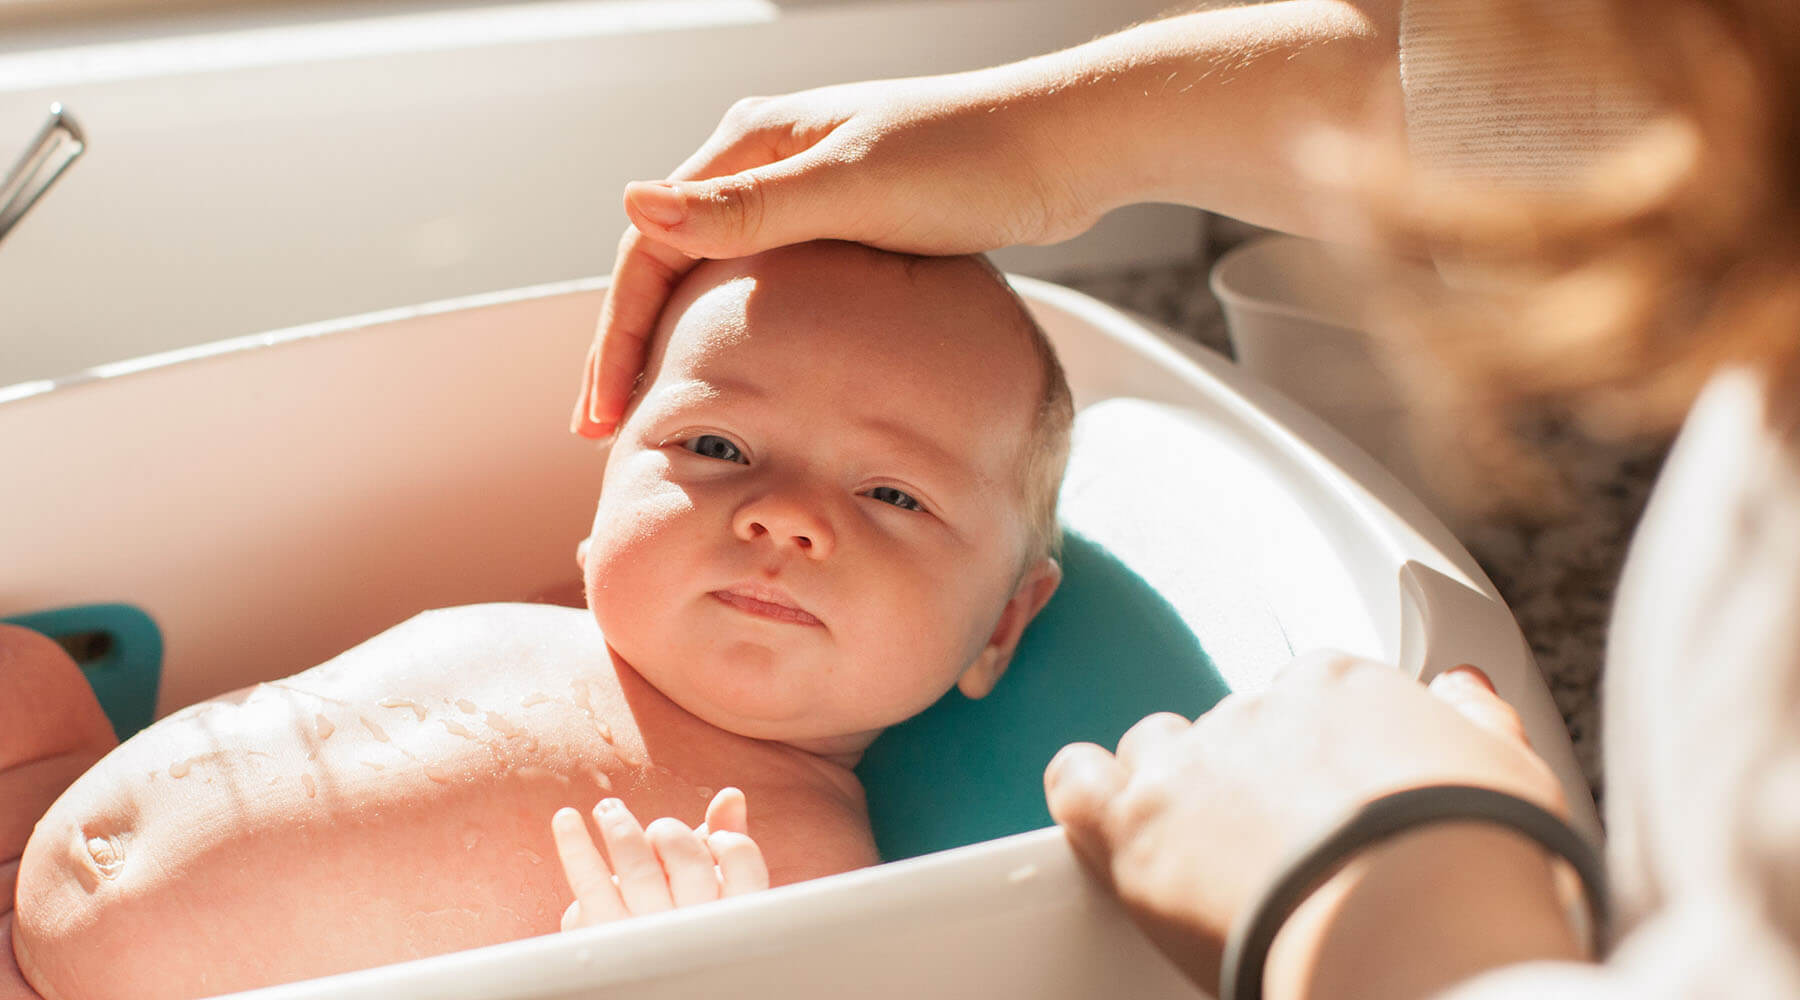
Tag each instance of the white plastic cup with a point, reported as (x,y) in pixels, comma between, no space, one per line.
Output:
(1293,309)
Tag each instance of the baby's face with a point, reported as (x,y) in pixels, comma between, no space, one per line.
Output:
(812,522)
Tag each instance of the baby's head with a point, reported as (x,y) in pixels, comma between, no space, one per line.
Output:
(834,495)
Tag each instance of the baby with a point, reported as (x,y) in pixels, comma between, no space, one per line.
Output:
(832,500)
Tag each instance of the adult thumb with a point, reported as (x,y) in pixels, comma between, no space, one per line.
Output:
(790,201)
(1470,692)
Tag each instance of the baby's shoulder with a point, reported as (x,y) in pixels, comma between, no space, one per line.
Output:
(486,639)
(497,626)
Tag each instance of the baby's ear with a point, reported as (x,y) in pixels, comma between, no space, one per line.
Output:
(1033,592)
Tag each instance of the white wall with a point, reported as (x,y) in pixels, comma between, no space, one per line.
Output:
(246,173)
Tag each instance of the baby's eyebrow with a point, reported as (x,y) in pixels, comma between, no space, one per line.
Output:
(691,391)
(902,436)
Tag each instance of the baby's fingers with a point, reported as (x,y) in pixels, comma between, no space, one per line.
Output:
(685,861)
(741,865)
(596,898)
(728,811)
(641,882)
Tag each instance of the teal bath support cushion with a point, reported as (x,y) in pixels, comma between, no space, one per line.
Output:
(1105,652)
(119,649)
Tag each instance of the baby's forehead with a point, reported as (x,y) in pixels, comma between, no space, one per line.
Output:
(942,329)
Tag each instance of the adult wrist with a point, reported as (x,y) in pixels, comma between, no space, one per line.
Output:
(1425,910)
(1431,886)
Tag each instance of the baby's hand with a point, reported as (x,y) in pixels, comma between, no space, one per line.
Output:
(659,868)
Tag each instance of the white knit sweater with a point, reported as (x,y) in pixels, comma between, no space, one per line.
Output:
(1702,713)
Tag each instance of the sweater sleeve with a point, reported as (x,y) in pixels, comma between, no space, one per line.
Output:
(1512,94)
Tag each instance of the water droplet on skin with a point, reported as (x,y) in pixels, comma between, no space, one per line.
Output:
(534,698)
(531,855)
(311,786)
(417,709)
(584,955)
(180,768)
(325,726)
(602,782)
(373,766)
(260,753)
(705,792)
(437,774)
(584,699)
(466,705)
(500,724)
(604,730)
(1021,874)
(275,781)
(470,837)
(374,730)
(457,729)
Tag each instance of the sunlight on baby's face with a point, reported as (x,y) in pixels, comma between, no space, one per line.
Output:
(812,520)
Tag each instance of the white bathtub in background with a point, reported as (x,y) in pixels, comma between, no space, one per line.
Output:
(344,453)
(267,167)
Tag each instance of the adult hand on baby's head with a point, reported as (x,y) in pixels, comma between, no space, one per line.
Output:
(935,165)
(1190,821)
(659,867)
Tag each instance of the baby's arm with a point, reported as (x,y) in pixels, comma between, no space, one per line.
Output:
(658,868)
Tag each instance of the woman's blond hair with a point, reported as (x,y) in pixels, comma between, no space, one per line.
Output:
(1614,301)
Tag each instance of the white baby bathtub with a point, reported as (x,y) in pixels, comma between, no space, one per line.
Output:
(272,500)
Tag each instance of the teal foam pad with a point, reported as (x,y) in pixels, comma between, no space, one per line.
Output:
(1105,652)
(119,649)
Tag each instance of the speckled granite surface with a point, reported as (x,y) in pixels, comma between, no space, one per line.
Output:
(1558,579)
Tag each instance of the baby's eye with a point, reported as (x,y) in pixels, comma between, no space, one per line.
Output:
(714,446)
(902,500)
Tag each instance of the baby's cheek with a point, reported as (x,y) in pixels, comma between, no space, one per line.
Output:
(636,555)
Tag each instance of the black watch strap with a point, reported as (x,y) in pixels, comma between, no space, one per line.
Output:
(1247,949)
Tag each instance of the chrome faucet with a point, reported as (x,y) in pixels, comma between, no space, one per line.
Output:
(56,146)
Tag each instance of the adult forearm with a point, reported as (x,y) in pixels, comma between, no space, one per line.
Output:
(1208,108)
(1422,913)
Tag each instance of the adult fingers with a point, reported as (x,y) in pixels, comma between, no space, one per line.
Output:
(740,861)
(645,274)
(646,270)
(728,811)
(642,883)
(686,863)
(1470,692)
(1081,781)
(1148,736)
(803,197)
(589,877)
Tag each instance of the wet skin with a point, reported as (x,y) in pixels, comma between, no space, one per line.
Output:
(389,804)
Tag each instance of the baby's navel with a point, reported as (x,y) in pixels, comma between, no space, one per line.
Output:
(106,855)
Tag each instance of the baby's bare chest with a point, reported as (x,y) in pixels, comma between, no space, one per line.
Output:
(416,776)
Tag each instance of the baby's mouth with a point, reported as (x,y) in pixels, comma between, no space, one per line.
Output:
(766,602)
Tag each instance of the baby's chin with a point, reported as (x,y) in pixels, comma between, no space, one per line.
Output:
(751,694)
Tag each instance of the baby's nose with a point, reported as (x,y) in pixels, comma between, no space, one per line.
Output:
(787,521)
